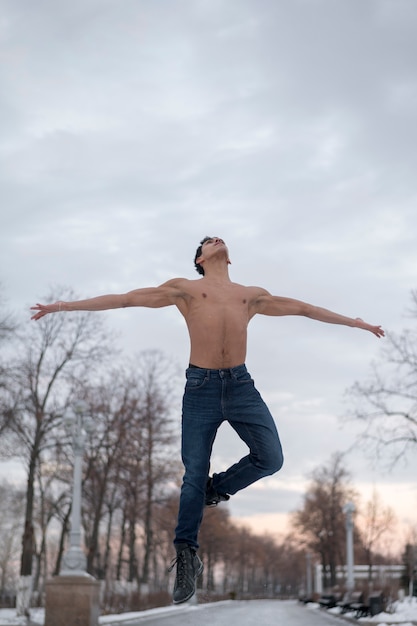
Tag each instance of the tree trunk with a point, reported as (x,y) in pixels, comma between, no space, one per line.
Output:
(28,542)
(122,543)
(133,569)
(93,547)
(148,534)
(28,545)
(64,532)
(107,552)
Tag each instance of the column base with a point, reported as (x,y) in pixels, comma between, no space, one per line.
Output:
(72,601)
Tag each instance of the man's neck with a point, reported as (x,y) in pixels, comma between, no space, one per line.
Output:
(217,273)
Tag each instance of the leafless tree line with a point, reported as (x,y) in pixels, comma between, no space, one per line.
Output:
(238,562)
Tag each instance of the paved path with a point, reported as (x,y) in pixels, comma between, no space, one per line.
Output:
(236,613)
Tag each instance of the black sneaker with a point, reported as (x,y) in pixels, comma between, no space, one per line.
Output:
(212,496)
(189,568)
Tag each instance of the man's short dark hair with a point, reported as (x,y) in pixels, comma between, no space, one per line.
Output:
(199,268)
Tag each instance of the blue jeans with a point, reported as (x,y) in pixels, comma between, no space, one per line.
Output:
(210,398)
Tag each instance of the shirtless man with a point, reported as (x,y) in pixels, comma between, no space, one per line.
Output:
(218,385)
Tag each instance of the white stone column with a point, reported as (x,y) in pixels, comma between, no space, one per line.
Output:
(74,562)
(348,510)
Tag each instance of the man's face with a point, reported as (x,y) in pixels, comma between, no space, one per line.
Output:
(213,246)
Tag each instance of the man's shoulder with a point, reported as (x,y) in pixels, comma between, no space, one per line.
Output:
(253,289)
(178,280)
(185,285)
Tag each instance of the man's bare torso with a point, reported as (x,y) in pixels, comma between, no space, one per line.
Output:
(217,316)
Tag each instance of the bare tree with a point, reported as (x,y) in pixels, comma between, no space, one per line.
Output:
(387,403)
(52,358)
(114,408)
(156,378)
(215,541)
(131,458)
(321,520)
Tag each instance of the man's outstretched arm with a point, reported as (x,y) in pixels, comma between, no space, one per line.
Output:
(267,304)
(154,297)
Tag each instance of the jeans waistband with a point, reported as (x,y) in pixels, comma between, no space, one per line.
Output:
(220,373)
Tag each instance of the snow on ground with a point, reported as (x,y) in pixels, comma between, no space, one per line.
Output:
(8,617)
(404,613)
(37,616)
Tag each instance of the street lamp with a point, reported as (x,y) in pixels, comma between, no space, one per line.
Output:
(348,509)
(74,562)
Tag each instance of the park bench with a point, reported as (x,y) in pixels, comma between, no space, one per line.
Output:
(305,599)
(359,608)
(329,600)
(350,597)
(373,605)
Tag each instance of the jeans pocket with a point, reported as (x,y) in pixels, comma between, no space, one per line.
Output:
(195,380)
(244,378)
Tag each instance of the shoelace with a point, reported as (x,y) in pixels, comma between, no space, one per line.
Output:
(180,562)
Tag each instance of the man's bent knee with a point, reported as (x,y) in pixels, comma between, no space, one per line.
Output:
(271,465)
(276,465)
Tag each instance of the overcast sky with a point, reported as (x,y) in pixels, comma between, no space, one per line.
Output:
(130,130)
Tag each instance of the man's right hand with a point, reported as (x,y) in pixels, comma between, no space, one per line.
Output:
(44,309)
